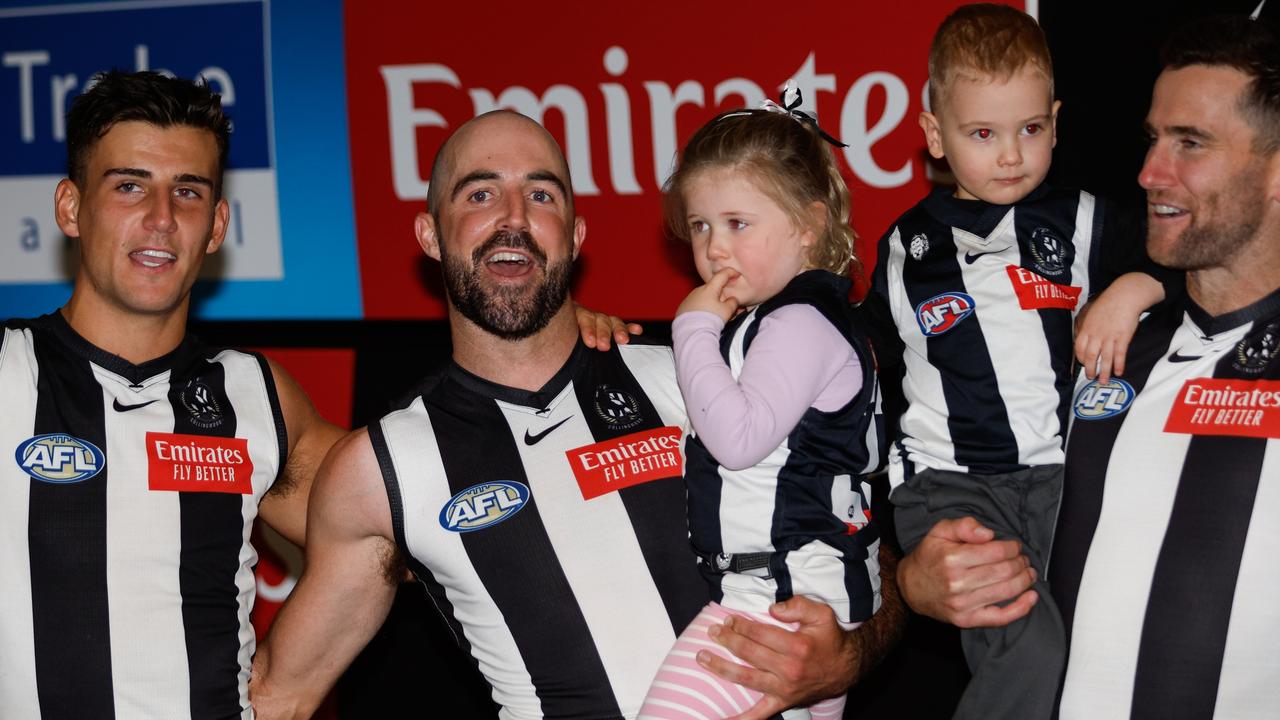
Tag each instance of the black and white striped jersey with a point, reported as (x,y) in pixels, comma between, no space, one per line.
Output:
(549,527)
(982,299)
(125,509)
(807,502)
(1164,562)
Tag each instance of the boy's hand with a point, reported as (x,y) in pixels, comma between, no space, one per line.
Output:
(712,298)
(1108,322)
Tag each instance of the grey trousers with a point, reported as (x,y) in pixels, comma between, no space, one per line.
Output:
(1017,668)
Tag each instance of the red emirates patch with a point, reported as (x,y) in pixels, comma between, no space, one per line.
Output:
(1036,293)
(197,463)
(628,460)
(1210,406)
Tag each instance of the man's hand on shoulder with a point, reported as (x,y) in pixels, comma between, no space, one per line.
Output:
(959,571)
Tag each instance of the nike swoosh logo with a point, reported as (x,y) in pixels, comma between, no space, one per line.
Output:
(126,408)
(1175,357)
(535,439)
(970,257)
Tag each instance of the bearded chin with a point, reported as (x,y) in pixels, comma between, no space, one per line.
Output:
(511,313)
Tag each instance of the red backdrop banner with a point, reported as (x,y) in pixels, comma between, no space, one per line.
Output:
(621,87)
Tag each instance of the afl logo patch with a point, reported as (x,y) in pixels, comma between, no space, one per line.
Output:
(940,313)
(1097,401)
(60,459)
(617,408)
(484,505)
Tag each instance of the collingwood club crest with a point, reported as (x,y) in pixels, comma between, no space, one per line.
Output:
(1048,253)
(1255,352)
(617,408)
(200,402)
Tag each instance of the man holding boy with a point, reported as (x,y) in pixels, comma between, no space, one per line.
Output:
(534,486)
(981,286)
(1163,563)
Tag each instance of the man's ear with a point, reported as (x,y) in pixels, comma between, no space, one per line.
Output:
(932,134)
(221,219)
(1053,121)
(66,207)
(424,227)
(579,234)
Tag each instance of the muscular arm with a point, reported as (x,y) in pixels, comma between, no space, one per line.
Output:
(284,507)
(818,660)
(344,594)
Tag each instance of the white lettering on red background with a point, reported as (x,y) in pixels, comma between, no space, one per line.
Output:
(1210,406)
(1036,292)
(629,460)
(198,463)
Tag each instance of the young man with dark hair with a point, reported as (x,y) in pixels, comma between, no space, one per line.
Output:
(1164,559)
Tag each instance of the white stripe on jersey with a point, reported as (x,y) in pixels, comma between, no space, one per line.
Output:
(1141,483)
(18,371)
(147,665)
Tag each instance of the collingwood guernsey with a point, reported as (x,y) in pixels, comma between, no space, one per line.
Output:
(126,502)
(1164,562)
(549,527)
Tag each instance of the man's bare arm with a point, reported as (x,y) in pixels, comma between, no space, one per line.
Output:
(817,661)
(284,507)
(352,571)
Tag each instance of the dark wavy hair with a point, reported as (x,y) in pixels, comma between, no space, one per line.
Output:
(1250,46)
(149,97)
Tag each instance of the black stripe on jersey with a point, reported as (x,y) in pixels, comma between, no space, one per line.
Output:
(1086,476)
(67,539)
(660,534)
(1183,637)
(549,635)
(1059,324)
(211,535)
(435,590)
(976,416)
(273,398)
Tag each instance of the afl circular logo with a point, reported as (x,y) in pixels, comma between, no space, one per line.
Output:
(617,408)
(200,402)
(1097,401)
(60,459)
(484,505)
(942,312)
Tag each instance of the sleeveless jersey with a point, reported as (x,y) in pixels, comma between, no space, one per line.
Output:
(1164,562)
(806,503)
(983,298)
(126,502)
(549,527)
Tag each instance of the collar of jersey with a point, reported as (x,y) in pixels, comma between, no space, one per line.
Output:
(537,399)
(135,374)
(1264,309)
(976,216)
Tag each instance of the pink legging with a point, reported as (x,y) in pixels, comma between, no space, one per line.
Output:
(684,690)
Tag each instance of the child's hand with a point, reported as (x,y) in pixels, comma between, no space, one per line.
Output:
(1102,339)
(711,297)
(1108,322)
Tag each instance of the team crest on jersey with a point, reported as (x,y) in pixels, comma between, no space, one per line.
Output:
(919,246)
(1097,401)
(942,312)
(1255,352)
(1048,252)
(617,408)
(484,505)
(201,403)
(60,459)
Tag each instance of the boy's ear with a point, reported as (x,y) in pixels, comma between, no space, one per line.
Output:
(1053,121)
(932,134)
